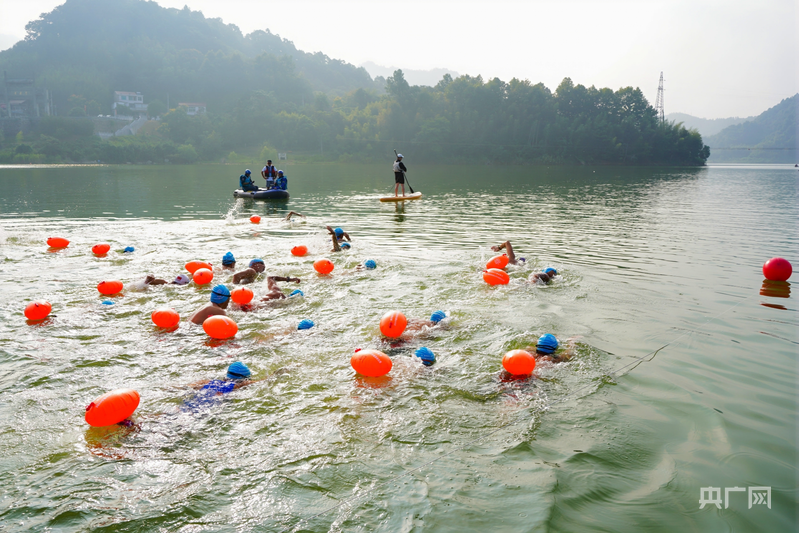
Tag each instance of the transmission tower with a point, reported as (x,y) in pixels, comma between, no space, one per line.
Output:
(659,101)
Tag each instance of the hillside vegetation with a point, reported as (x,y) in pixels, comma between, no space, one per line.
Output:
(264,95)
(768,138)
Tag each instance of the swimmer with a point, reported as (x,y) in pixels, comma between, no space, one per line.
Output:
(275,293)
(220,298)
(152,280)
(338,236)
(291,213)
(546,276)
(548,344)
(238,376)
(249,275)
(228,261)
(509,249)
(181,279)
(416,324)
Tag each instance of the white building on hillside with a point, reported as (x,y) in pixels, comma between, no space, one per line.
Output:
(134,101)
(193,108)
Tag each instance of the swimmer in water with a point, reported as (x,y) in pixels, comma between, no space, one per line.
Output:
(416,324)
(291,213)
(228,261)
(338,236)
(275,293)
(249,275)
(545,277)
(220,298)
(181,279)
(509,250)
(152,280)
(547,346)
(238,375)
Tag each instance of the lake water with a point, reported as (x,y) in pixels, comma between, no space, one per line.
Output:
(649,259)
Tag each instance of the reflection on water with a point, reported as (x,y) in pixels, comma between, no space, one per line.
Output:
(647,258)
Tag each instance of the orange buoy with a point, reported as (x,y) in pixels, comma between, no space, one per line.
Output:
(323,266)
(109,287)
(112,407)
(101,248)
(495,276)
(38,310)
(519,362)
(57,242)
(255,219)
(393,324)
(203,276)
(371,363)
(165,317)
(193,266)
(300,250)
(220,327)
(499,261)
(242,295)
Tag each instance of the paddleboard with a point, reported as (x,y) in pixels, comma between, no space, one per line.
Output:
(414,196)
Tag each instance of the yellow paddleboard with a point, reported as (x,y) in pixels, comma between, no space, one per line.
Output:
(414,196)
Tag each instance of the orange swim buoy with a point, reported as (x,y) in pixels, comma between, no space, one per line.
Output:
(220,327)
(242,295)
(519,362)
(255,219)
(109,287)
(112,407)
(38,310)
(203,276)
(165,317)
(300,250)
(323,266)
(101,248)
(194,266)
(495,276)
(371,363)
(393,324)
(499,261)
(57,242)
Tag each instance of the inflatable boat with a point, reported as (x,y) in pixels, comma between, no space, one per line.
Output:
(262,194)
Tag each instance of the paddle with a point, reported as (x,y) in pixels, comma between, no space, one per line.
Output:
(404,176)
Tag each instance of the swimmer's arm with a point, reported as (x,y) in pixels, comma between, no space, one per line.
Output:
(336,247)
(569,350)
(288,217)
(158,281)
(281,278)
(507,246)
(346,236)
(199,384)
(245,276)
(246,382)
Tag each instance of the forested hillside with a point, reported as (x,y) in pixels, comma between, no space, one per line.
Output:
(768,138)
(262,94)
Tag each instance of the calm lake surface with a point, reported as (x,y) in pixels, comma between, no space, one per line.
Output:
(649,259)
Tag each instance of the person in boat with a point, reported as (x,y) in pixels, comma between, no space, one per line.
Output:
(399,175)
(220,298)
(248,275)
(246,181)
(269,173)
(275,293)
(281,182)
(228,261)
(338,237)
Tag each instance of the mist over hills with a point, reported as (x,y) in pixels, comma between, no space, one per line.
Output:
(770,137)
(260,95)
(414,77)
(705,126)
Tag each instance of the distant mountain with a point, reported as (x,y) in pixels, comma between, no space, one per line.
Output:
(705,126)
(771,137)
(414,77)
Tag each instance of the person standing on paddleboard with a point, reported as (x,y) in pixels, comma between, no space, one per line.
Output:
(399,175)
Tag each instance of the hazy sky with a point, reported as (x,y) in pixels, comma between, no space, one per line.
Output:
(719,58)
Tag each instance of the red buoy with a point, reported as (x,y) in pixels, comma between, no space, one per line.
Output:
(109,287)
(38,310)
(57,242)
(519,362)
(112,407)
(393,324)
(777,269)
(371,363)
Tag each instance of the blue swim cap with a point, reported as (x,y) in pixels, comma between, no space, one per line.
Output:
(438,316)
(220,294)
(370,264)
(305,324)
(345,245)
(108,302)
(238,370)
(339,232)
(547,344)
(522,259)
(426,355)
(549,271)
(296,292)
(128,249)
(228,259)
(254,261)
